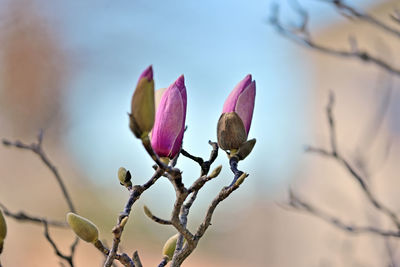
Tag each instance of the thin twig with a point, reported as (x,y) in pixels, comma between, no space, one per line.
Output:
(38,150)
(297,203)
(301,37)
(347,10)
(122,258)
(136,259)
(134,195)
(23,216)
(188,248)
(69,258)
(334,154)
(163,262)
(204,165)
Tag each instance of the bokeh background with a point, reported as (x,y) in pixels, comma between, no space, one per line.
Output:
(70,68)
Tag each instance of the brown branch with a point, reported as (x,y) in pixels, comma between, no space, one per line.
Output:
(155,218)
(38,150)
(136,259)
(23,216)
(352,12)
(297,203)
(301,36)
(188,248)
(204,165)
(395,16)
(163,262)
(68,258)
(122,258)
(334,154)
(134,194)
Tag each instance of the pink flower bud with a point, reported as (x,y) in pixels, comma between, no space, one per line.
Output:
(169,124)
(241,100)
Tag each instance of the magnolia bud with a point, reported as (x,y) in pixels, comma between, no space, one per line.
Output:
(245,149)
(169,246)
(83,228)
(3,230)
(147,211)
(3,227)
(124,177)
(241,178)
(215,172)
(142,107)
(231,133)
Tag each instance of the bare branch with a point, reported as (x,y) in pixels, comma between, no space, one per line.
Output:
(297,203)
(38,150)
(301,37)
(163,262)
(136,259)
(155,218)
(134,195)
(69,258)
(334,154)
(352,12)
(122,258)
(188,248)
(23,216)
(205,165)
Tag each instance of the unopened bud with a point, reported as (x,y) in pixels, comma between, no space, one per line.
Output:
(215,172)
(241,178)
(83,228)
(169,247)
(124,221)
(246,148)
(147,211)
(3,230)
(141,119)
(3,227)
(124,177)
(231,133)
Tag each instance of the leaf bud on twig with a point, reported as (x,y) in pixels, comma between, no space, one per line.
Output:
(83,228)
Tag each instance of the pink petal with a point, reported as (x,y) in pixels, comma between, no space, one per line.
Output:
(147,73)
(230,102)
(169,123)
(245,105)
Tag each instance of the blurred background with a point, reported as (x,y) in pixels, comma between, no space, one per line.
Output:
(70,68)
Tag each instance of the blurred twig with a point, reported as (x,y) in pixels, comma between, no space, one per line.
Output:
(338,157)
(302,36)
(296,202)
(22,216)
(38,150)
(352,12)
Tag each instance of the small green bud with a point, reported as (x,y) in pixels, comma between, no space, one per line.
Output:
(142,107)
(83,228)
(147,212)
(245,149)
(3,230)
(231,133)
(240,180)
(169,247)
(124,221)
(215,172)
(3,227)
(124,177)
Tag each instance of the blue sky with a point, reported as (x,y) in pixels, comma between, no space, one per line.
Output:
(214,44)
